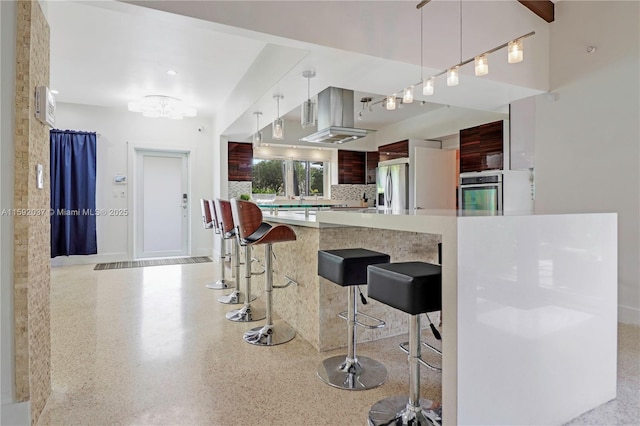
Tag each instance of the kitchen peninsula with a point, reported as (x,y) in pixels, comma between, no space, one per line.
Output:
(529,304)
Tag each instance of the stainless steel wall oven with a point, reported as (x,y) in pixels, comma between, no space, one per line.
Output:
(481,193)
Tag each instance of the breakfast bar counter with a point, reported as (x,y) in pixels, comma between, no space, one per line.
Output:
(529,310)
(312,307)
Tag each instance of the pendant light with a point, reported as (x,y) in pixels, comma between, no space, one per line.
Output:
(407,95)
(515,52)
(481,65)
(308,113)
(391,103)
(453,76)
(277,127)
(257,136)
(428,86)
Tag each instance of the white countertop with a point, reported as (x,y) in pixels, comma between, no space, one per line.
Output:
(515,288)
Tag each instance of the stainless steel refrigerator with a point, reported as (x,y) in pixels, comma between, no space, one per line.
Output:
(393,185)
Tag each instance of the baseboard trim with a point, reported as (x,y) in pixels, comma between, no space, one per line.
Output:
(88,260)
(628,315)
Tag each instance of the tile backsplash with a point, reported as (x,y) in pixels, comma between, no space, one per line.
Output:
(236,188)
(353,192)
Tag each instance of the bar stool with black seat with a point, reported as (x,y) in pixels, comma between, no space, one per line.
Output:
(414,288)
(228,230)
(348,268)
(252,231)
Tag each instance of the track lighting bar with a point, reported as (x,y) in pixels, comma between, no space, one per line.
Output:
(467,61)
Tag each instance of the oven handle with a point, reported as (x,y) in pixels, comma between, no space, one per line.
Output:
(480,185)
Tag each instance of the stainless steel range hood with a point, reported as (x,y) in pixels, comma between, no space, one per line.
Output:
(335,118)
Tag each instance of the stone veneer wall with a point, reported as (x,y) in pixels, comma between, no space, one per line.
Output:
(313,306)
(353,192)
(32,246)
(236,188)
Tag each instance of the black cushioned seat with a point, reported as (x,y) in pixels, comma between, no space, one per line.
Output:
(412,287)
(259,233)
(347,267)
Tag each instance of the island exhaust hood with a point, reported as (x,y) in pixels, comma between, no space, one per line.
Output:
(335,118)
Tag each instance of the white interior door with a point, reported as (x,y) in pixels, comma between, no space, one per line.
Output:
(162,204)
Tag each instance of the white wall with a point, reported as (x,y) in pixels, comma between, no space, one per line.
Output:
(119,130)
(587,141)
(436,124)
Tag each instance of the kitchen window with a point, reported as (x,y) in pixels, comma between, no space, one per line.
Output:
(290,177)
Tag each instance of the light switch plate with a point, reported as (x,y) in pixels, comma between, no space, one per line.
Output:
(39,176)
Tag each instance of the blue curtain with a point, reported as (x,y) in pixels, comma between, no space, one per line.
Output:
(73,193)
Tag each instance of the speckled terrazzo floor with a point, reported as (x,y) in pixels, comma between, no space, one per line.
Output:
(151,346)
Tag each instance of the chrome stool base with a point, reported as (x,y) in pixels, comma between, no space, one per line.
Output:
(269,335)
(218,285)
(394,411)
(345,373)
(245,314)
(235,298)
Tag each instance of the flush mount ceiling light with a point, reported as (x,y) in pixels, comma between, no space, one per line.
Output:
(257,136)
(308,113)
(277,127)
(162,106)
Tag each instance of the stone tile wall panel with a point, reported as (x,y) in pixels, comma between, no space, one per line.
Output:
(31,232)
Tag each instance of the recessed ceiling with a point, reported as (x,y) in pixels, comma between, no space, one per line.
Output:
(107,53)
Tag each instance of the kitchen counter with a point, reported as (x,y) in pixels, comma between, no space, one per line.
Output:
(529,311)
(312,307)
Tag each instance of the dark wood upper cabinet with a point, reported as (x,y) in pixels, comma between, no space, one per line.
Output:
(240,161)
(372,163)
(351,167)
(481,148)
(393,150)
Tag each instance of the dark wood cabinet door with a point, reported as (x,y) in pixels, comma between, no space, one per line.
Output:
(394,150)
(351,167)
(481,148)
(372,163)
(240,162)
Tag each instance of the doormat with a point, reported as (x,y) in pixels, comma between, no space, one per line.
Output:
(154,262)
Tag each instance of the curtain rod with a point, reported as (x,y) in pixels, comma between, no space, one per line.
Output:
(82,132)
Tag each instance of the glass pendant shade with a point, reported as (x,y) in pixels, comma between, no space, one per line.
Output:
(391,103)
(277,129)
(407,95)
(257,136)
(427,86)
(516,54)
(482,65)
(308,114)
(453,76)
(257,139)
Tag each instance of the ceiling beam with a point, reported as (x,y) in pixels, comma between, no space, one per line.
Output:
(542,8)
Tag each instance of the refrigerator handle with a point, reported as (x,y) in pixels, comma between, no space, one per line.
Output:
(389,189)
